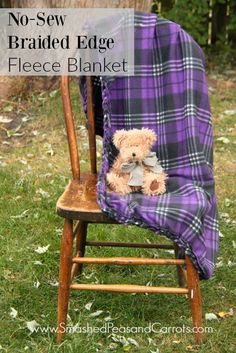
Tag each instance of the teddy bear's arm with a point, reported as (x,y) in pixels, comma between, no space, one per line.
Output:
(118,184)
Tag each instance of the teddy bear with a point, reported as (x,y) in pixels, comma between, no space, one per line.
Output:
(136,168)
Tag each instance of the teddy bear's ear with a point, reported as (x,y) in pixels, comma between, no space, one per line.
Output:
(119,137)
(150,137)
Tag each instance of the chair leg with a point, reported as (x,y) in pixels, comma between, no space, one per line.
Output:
(195,299)
(64,277)
(80,247)
(181,273)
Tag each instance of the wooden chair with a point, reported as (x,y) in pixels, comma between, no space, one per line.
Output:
(79,208)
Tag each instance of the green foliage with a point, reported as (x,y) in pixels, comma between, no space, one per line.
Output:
(232,23)
(193,16)
(220,57)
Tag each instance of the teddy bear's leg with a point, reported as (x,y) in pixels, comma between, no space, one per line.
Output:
(154,184)
(118,184)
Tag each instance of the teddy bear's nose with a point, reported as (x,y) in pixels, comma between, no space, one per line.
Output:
(133,154)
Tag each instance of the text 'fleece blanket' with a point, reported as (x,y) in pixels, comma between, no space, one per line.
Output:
(168,94)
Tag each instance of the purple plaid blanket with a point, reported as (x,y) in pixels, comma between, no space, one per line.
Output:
(168,94)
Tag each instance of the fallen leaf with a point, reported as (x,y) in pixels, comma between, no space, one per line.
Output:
(46,175)
(230,112)
(13,313)
(228,202)
(170,251)
(148,284)
(88,305)
(4,119)
(219,286)
(211,89)
(52,94)
(113,346)
(219,264)
(96,313)
(210,316)
(23,161)
(43,193)
(42,99)
(36,284)
(150,341)
(14,132)
(26,118)
(121,339)
(49,149)
(223,140)
(108,318)
(133,342)
(89,275)
(54,284)
(221,235)
(38,263)
(230,263)
(32,325)
(223,314)
(42,249)
(23,214)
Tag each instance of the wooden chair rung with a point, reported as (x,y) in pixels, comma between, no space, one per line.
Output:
(128,288)
(127,261)
(130,245)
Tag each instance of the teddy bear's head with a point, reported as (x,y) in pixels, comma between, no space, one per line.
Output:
(135,144)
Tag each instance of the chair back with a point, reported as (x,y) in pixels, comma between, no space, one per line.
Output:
(70,127)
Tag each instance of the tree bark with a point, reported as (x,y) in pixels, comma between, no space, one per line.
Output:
(140,5)
(8,86)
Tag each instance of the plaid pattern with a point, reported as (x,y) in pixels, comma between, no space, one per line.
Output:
(168,94)
(97,99)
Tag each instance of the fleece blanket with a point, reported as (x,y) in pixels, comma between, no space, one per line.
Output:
(168,94)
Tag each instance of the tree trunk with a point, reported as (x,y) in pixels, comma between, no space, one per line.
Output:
(140,5)
(10,86)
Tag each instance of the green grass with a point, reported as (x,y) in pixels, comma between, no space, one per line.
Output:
(37,163)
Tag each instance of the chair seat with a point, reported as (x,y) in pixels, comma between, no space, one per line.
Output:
(79,201)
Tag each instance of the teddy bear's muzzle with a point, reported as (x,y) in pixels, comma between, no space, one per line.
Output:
(136,170)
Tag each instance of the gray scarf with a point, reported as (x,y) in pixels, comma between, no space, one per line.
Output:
(136,169)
